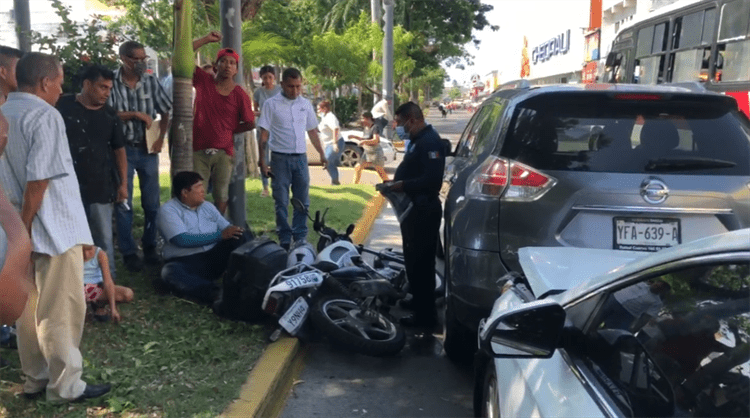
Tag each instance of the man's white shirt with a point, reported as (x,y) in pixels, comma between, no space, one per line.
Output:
(287,121)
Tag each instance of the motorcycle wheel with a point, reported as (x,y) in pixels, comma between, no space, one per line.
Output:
(369,333)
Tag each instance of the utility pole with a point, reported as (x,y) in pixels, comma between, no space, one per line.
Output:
(388,60)
(231,32)
(23,24)
(375,15)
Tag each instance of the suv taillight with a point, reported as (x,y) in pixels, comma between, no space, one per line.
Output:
(491,180)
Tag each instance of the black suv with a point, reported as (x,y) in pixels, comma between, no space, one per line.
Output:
(628,167)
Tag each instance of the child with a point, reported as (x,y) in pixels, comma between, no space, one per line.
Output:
(98,285)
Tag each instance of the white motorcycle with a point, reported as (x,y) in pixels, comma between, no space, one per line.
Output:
(342,295)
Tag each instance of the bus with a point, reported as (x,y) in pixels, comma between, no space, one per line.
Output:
(706,41)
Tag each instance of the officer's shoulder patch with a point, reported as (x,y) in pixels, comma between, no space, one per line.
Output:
(433,155)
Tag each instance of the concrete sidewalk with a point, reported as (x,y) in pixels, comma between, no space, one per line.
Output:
(266,389)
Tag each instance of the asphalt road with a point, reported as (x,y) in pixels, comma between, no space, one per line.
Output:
(418,382)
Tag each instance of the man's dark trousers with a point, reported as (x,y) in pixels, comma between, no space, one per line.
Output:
(419,232)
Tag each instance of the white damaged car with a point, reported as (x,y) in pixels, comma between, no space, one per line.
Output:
(594,332)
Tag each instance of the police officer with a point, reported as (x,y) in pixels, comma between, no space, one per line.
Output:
(420,176)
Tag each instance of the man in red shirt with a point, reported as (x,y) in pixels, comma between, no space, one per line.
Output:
(222,109)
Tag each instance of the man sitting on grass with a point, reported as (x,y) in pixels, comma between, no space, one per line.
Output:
(198,240)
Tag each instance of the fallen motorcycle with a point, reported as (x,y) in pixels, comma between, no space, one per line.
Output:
(342,295)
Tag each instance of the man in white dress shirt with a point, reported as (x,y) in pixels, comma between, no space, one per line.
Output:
(37,174)
(284,119)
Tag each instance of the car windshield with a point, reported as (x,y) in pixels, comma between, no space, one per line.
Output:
(699,135)
(690,332)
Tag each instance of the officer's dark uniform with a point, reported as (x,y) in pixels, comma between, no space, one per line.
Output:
(422,174)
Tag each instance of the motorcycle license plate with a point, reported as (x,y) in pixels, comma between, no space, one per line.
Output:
(293,319)
(304,280)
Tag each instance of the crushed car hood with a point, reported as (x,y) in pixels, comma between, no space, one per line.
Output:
(561,268)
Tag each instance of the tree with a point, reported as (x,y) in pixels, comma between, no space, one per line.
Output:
(183,64)
(454,93)
(152,22)
(78,44)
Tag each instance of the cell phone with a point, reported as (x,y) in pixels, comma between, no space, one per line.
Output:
(124,205)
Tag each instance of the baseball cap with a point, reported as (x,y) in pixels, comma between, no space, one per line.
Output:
(228,51)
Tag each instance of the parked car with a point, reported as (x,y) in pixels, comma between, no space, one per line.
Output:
(637,334)
(623,167)
(352,150)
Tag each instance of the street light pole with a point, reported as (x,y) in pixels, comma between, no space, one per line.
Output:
(388,59)
(23,24)
(231,31)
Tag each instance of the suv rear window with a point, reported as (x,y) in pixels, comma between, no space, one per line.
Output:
(700,135)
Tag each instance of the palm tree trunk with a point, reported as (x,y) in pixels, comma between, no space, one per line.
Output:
(183,63)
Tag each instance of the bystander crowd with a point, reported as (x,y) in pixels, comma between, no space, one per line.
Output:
(370,142)
(137,97)
(198,240)
(333,142)
(38,175)
(284,119)
(222,109)
(97,145)
(8,59)
(269,88)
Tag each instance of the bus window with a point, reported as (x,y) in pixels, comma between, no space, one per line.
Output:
(734,46)
(645,40)
(692,64)
(660,38)
(650,70)
(736,62)
(735,19)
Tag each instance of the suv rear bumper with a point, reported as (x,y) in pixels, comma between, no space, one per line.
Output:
(475,283)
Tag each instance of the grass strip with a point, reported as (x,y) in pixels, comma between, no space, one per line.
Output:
(170,357)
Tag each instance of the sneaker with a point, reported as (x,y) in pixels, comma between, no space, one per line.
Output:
(133,262)
(150,256)
(336,183)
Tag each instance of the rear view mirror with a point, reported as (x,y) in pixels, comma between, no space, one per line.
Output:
(530,330)
(350,229)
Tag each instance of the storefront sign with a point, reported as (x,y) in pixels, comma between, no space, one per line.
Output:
(558,45)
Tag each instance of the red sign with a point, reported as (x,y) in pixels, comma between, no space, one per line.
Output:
(589,73)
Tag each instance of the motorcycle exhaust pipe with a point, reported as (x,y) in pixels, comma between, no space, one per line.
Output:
(374,287)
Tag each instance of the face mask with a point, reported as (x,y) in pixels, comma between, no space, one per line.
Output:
(140,68)
(401,132)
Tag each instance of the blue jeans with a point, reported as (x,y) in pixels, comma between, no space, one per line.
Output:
(266,157)
(99,216)
(147,166)
(334,159)
(290,171)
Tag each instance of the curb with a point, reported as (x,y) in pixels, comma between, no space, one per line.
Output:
(269,383)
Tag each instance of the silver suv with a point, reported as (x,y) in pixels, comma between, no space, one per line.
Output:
(595,166)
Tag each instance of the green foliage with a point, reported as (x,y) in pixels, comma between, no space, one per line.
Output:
(77,44)
(151,22)
(345,109)
(454,93)
(337,60)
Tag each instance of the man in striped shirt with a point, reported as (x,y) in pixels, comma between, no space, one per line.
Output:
(137,97)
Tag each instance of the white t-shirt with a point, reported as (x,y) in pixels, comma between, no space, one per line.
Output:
(381,108)
(327,127)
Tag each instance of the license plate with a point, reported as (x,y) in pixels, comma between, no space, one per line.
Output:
(645,234)
(293,319)
(304,280)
